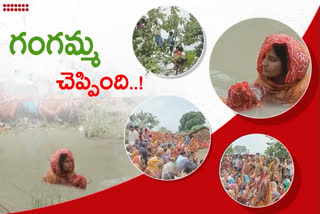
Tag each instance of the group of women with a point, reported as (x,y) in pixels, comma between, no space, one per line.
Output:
(164,155)
(256,180)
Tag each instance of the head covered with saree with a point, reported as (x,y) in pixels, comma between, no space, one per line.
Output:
(294,60)
(295,74)
(57,175)
(298,58)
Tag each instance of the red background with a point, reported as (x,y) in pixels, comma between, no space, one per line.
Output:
(202,192)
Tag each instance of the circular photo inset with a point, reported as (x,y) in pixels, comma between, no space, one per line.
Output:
(256,170)
(168,41)
(260,68)
(167,137)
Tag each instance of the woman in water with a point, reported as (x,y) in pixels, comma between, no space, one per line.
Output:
(62,170)
(282,75)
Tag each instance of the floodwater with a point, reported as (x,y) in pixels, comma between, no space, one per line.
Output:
(222,81)
(234,59)
(24,158)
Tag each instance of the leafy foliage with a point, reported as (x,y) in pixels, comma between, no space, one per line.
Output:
(240,149)
(187,33)
(276,149)
(196,127)
(190,120)
(164,129)
(229,150)
(144,120)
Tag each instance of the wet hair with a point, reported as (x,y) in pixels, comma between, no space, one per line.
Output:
(281,50)
(62,158)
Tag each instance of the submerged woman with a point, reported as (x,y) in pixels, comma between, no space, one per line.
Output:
(282,66)
(62,170)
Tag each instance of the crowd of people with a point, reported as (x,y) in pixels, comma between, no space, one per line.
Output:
(163,155)
(255,180)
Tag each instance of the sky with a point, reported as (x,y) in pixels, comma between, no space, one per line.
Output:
(256,143)
(168,110)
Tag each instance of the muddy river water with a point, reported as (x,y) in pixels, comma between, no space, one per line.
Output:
(222,82)
(24,158)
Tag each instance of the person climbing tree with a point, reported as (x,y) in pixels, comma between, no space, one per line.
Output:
(158,38)
(170,41)
(179,60)
(141,23)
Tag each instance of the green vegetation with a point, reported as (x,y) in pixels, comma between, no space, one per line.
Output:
(190,120)
(276,149)
(196,127)
(164,129)
(186,31)
(229,150)
(144,120)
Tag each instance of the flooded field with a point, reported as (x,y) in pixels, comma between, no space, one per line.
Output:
(25,154)
(94,134)
(235,59)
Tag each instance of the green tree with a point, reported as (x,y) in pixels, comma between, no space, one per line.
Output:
(229,150)
(144,120)
(196,127)
(276,149)
(191,119)
(164,129)
(240,149)
(187,33)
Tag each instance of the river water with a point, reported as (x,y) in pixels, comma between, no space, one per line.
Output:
(24,158)
(222,81)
